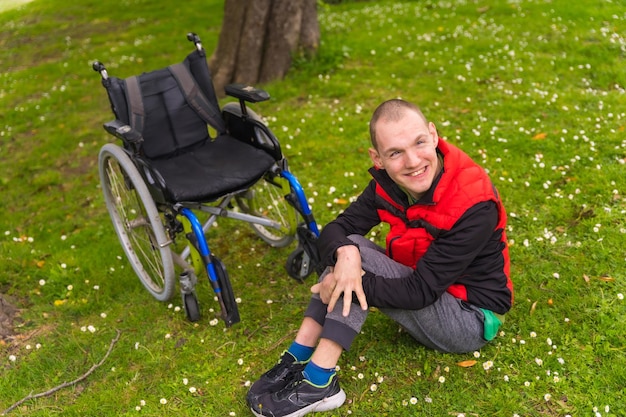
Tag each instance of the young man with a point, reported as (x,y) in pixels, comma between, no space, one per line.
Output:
(444,276)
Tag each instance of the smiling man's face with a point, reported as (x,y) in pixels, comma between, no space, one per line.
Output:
(407,150)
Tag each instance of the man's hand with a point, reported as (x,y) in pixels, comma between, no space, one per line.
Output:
(344,278)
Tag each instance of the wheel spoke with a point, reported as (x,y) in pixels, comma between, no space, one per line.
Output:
(137,221)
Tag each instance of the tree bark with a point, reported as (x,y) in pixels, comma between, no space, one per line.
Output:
(259,38)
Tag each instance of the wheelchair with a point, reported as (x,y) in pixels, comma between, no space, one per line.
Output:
(182,159)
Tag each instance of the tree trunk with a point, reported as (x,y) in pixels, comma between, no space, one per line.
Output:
(259,38)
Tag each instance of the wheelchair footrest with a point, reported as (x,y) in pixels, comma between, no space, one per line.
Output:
(226,297)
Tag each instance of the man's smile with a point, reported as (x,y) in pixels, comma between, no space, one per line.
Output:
(417,173)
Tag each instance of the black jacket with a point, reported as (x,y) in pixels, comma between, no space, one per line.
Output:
(452,258)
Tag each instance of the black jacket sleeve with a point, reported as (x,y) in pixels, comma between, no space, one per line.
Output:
(359,218)
(443,264)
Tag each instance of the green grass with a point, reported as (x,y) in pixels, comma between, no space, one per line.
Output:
(533,89)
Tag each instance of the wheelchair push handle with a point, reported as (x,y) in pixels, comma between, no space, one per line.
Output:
(192,37)
(99,67)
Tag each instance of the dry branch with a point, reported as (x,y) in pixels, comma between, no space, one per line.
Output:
(65,384)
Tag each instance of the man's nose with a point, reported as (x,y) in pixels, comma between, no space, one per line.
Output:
(412,159)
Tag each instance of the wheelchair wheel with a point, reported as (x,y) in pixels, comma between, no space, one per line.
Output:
(266,199)
(192,310)
(299,265)
(137,222)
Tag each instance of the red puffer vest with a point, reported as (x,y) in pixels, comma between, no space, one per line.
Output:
(462,185)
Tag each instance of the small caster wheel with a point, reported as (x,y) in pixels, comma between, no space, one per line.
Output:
(192,309)
(299,265)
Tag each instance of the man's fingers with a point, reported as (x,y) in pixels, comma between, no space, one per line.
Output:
(347,302)
(315,289)
(360,295)
(333,300)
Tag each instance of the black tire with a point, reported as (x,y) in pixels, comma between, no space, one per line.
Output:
(299,265)
(192,309)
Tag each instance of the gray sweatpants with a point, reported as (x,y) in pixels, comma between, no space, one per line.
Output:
(448,325)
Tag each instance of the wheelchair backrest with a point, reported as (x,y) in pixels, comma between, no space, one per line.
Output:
(170,107)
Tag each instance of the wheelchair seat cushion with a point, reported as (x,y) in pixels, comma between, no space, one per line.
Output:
(212,170)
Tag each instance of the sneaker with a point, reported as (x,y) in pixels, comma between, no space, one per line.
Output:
(299,397)
(276,378)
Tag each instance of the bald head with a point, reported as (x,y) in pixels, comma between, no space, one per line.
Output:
(392,110)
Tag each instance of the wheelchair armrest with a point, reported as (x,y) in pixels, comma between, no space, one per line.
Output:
(249,128)
(123,131)
(246,93)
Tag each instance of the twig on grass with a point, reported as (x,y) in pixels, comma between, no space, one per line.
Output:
(65,384)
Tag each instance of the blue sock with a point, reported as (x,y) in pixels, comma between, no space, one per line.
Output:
(300,352)
(317,375)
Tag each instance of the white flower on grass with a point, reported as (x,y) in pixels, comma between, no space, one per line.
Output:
(137,408)
(142,403)
(428,400)
(12,358)
(240,361)
(477,354)
(163,401)
(373,387)
(185,381)
(91,328)
(192,390)
(620,296)
(360,376)
(539,361)
(549,341)
(442,379)
(214,322)
(42,282)
(487,365)
(547,397)
(533,334)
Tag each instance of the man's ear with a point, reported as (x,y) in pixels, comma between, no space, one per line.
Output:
(433,131)
(375,157)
